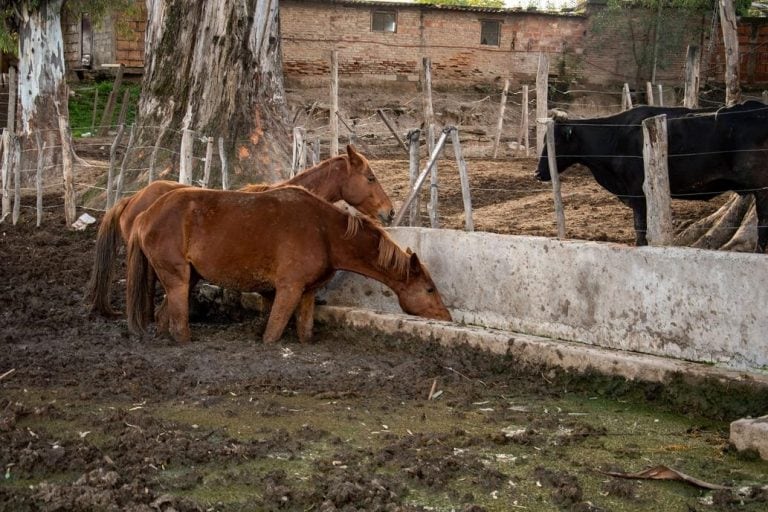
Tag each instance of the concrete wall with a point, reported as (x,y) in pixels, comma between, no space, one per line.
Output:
(685,303)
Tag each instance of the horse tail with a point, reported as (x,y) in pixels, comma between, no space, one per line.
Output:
(107,242)
(139,293)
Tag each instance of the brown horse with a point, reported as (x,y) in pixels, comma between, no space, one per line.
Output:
(348,177)
(285,240)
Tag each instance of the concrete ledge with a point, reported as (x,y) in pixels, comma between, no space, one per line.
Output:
(751,434)
(536,350)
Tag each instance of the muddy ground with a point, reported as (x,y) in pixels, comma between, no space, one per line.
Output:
(93,418)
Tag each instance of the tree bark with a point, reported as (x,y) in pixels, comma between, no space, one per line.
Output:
(214,67)
(41,78)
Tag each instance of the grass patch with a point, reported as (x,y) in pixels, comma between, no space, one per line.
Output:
(81,109)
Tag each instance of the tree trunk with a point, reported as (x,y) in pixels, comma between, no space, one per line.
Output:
(214,67)
(734,225)
(42,87)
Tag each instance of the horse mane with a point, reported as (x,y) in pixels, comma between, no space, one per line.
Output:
(392,257)
(354,223)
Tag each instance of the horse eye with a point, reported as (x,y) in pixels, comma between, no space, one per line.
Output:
(371,179)
(430,290)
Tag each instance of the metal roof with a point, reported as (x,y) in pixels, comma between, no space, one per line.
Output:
(406,4)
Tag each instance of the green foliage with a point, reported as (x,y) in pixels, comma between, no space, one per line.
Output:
(465,3)
(81,104)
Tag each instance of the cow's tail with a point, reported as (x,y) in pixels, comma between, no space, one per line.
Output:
(139,291)
(107,243)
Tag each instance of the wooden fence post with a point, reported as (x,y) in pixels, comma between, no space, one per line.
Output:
(16,159)
(124,107)
(429,122)
(334,114)
(121,176)
(208,157)
(661,94)
(299,160)
(153,158)
(110,172)
(649,93)
(186,162)
(70,213)
(522,140)
(656,184)
(469,224)
(7,153)
(316,151)
(500,123)
(626,98)
(413,172)
(39,178)
(542,86)
(422,177)
(95,109)
(765,97)
(692,64)
(552,161)
(391,128)
(109,108)
(224,168)
(731,45)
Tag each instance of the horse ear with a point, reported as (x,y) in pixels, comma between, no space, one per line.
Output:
(408,251)
(414,265)
(354,156)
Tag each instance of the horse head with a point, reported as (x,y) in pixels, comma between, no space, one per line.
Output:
(420,296)
(362,190)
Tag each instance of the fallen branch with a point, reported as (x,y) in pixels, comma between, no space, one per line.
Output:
(662,472)
(6,374)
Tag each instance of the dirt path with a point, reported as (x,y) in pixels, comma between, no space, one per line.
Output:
(92,418)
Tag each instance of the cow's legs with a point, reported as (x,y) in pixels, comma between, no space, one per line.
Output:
(641,223)
(305,316)
(286,300)
(761,205)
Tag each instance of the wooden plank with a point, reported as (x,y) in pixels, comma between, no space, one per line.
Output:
(692,76)
(552,161)
(500,122)
(39,177)
(391,128)
(421,178)
(67,163)
(469,224)
(334,114)
(109,108)
(542,88)
(656,184)
(413,173)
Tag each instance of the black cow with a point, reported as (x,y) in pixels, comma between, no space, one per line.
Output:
(710,152)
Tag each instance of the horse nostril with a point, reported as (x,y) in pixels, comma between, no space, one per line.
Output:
(392,213)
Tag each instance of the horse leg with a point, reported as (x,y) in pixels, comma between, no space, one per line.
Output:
(761,205)
(173,314)
(286,300)
(641,224)
(305,317)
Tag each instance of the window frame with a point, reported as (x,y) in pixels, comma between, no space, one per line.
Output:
(392,12)
(498,32)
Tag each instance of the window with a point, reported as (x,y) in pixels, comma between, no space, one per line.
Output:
(489,33)
(384,21)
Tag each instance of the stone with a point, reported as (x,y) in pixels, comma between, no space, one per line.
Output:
(751,434)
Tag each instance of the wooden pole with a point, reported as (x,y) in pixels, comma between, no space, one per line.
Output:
(692,62)
(542,86)
(39,177)
(649,93)
(731,43)
(626,98)
(552,161)
(121,176)
(422,178)
(16,159)
(299,151)
(109,108)
(208,157)
(224,168)
(70,212)
(13,84)
(153,158)
(185,164)
(469,224)
(429,122)
(391,128)
(316,151)
(95,109)
(413,173)
(124,107)
(524,130)
(661,94)
(765,97)
(112,159)
(500,122)
(334,114)
(656,184)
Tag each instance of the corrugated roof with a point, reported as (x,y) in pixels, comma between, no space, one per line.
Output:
(397,3)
